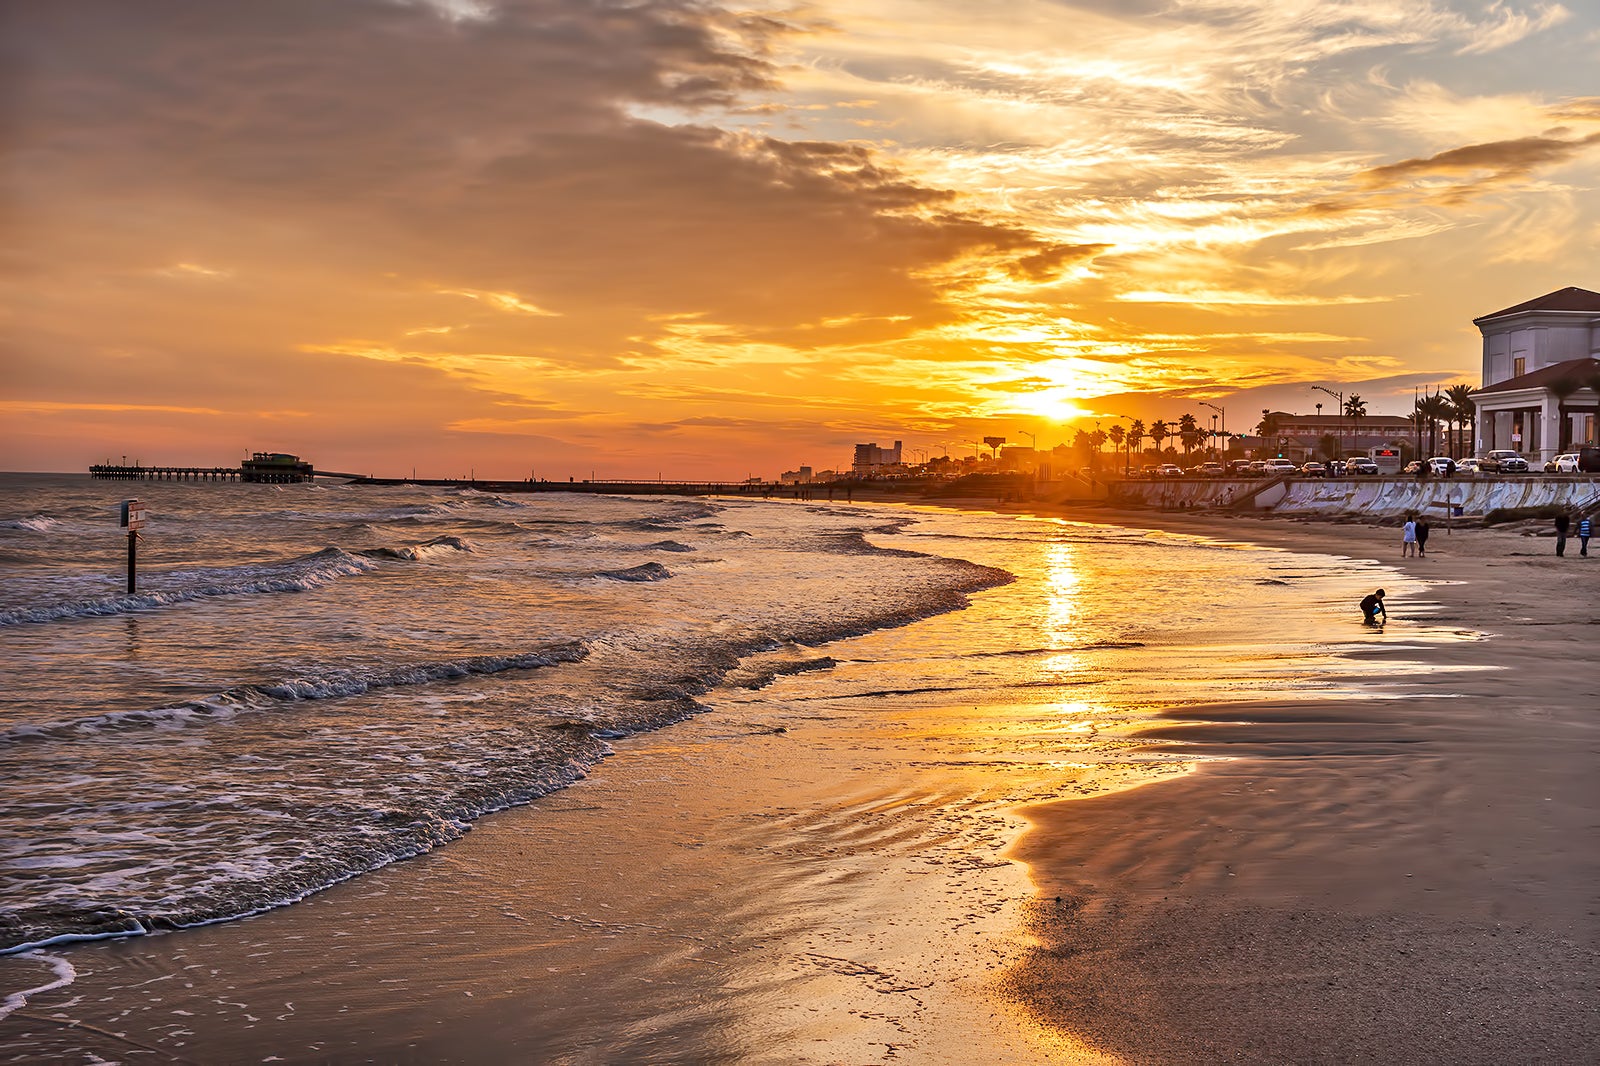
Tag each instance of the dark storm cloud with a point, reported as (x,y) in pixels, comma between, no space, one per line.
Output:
(543,147)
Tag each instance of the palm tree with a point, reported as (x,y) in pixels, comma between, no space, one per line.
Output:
(1188,432)
(1355,409)
(1268,428)
(1159,432)
(1464,412)
(1117,433)
(1435,409)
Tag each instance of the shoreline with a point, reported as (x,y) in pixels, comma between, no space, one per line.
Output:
(912,926)
(1408,880)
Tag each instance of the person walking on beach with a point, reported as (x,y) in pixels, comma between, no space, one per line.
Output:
(1372,607)
(1562,523)
(1583,536)
(1422,535)
(1408,538)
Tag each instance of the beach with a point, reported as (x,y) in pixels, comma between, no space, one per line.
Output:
(1411,879)
(1263,852)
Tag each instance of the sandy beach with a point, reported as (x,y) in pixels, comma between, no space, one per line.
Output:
(1408,880)
(1405,879)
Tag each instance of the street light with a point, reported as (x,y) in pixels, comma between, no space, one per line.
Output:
(1340,397)
(1127,446)
(1223,412)
(1033,441)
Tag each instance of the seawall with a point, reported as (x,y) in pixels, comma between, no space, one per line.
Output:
(1369,497)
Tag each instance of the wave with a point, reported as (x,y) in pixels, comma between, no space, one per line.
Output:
(296,575)
(642,572)
(670,546)
(273,694)
(437,546)
(35,523)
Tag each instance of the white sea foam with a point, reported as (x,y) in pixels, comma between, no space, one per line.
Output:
(64,976)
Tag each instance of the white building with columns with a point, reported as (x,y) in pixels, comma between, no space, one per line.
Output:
(1541,375)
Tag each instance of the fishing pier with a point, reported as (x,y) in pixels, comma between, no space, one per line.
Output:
(271,468)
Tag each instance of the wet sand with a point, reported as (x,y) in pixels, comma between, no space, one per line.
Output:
(1397,880)
(1401,880)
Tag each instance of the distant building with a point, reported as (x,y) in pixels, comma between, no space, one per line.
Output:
(871,460)
(1541,374)
(796,477)
(1301,436)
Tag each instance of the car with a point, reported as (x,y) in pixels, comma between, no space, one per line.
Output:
(1336,468)
(1443,466)
(1503,461)
(1565,463)
(1360,465)
(1313,469)
(1168,470)
(1413,467)
(1257,468)
(1208,470)
(1239,468)
(1466,467)
(1278,467)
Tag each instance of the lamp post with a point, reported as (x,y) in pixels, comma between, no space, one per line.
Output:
(1033,441)
(1340,397)
(1127,446)
(1224,413)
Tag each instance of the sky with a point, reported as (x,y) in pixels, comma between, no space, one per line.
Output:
(575,238)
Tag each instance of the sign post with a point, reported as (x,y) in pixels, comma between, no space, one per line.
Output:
(133,516)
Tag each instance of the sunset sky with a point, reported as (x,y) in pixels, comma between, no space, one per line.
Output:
(709,240)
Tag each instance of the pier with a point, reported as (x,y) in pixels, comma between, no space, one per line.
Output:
(136,472)
(272,468)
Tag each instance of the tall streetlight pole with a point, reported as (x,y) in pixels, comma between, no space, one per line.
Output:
(1223,412)
(1033,441)
(1127,446)
(1340,397)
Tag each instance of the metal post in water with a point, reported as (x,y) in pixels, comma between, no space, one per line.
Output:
(133,520)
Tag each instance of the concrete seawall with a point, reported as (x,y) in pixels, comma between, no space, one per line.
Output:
(1373,497)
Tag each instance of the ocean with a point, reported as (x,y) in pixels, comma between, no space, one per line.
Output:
(314,681)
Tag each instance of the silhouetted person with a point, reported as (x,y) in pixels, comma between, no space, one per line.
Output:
(1422,535)
(1583,536)
(1372,607)
(1562,522)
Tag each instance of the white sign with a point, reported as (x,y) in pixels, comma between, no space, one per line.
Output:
(1516,438)
(133,514)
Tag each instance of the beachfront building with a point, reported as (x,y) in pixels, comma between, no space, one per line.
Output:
(1301,437)
(1541,375)
(872,460)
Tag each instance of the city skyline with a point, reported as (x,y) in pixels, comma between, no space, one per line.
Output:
(707,239)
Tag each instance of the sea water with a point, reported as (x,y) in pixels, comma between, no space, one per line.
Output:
(313,681)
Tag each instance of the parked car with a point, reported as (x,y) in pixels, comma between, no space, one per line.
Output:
(1336,468)
(1208,469)
(1466,467)
(1279,467)
(1169,470)
(1239,468)
(1566,463)
(1313,469)
(1360,465)
(1257,468)
(1503,461)
(1442,465)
